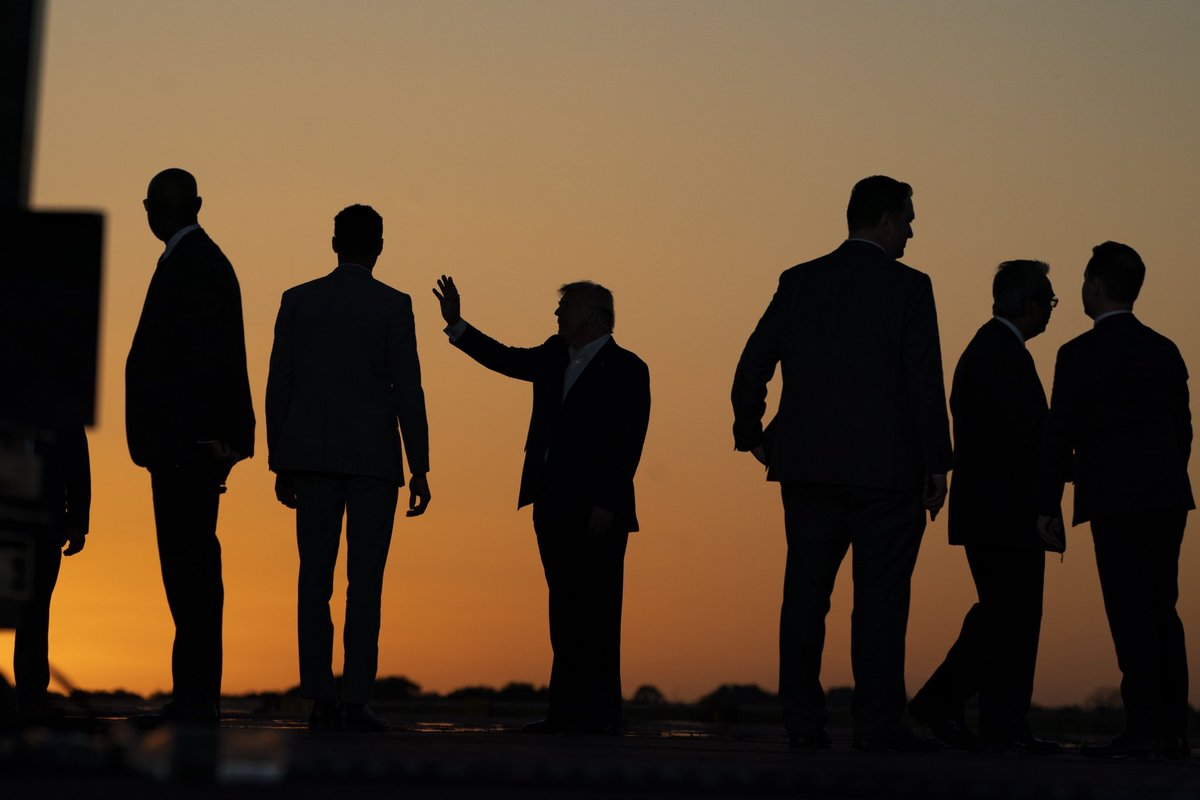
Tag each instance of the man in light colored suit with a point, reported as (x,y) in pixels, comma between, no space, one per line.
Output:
(344,387)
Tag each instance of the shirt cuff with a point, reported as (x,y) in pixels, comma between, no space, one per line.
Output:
(456,330)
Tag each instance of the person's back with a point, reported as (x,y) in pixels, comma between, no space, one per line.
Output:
(1133,430)
(347,331)
(848,412)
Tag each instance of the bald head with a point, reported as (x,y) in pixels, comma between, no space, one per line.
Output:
(172,202)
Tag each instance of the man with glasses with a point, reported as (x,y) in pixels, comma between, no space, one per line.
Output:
(999,408)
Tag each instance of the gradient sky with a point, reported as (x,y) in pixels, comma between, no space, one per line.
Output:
(682,153)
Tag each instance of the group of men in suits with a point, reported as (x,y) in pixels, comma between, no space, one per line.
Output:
(861,448)
(345,409)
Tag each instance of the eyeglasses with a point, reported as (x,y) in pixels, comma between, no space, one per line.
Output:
(1053,301)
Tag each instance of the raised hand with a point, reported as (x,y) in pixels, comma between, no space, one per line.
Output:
(448,297)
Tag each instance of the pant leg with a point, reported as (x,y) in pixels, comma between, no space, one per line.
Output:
(566,682)
(186,499)
(885,531)
(1133,553)
(957,678)
(815,521)
(1010,583)
(31,650)
(601,574)
(321,501)
(370,515)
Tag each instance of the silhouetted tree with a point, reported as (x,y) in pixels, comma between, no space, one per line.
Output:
(648,696)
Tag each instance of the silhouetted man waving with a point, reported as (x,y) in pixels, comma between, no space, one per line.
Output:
(861,442)
(591,408)
(188,419)
(344,386)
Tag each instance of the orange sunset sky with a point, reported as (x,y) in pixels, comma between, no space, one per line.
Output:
(684,154)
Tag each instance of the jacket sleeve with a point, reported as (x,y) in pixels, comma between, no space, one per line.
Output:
(1058,442)
(922,354)
(754,371)
(1183,411)
(280,374)
(408,396)
(522,363)
(78,483)
(631,420)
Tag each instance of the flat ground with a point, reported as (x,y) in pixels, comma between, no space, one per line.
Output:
(253,754)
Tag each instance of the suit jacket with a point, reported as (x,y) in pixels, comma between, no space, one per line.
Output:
(863,401)
(999,408)
(344,374)
(1120,404)
(185,379)
(581,450)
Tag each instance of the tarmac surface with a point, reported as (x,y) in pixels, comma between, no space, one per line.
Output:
(253,755)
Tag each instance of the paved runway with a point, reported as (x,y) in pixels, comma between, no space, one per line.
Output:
(252,755)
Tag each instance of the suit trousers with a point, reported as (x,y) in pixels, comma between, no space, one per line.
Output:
(1137,556)
(885,529)
(369,507)
(186,499)
(585,576)
(31,650)
(995,654)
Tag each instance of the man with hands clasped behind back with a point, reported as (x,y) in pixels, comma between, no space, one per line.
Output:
(591,408)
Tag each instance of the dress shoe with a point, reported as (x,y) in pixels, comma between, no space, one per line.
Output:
(178,713)
(1124,746)
(360,718)
(1027,745)
(1176,748)
(545,726)
(817,740)
(950,729)
(324,716)
(900,739)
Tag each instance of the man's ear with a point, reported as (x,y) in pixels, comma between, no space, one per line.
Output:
(380,250)
(333,243)
(199,202)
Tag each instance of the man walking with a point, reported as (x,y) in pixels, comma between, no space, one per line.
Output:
(861,447)
(999,408)
(188,420)
(344,388)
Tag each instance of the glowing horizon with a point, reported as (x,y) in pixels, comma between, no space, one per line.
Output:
(681,153)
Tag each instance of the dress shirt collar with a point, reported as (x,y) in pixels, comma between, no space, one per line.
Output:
(1108,314)
(868,241)
(1012,328)
(587,351)
(354,264)
(175,239)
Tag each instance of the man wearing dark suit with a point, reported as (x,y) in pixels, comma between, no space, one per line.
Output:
(67,479)
(344,387)
(999,408)
(1120,406)
(861,446)
(591,408)
(188,420)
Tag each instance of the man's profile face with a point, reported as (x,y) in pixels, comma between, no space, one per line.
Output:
(573,317)
(897,229)
(1042,311)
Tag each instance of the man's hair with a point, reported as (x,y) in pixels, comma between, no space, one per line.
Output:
(1016,283)
(1119,268)
(358,230)
(594,296)
(873,197)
